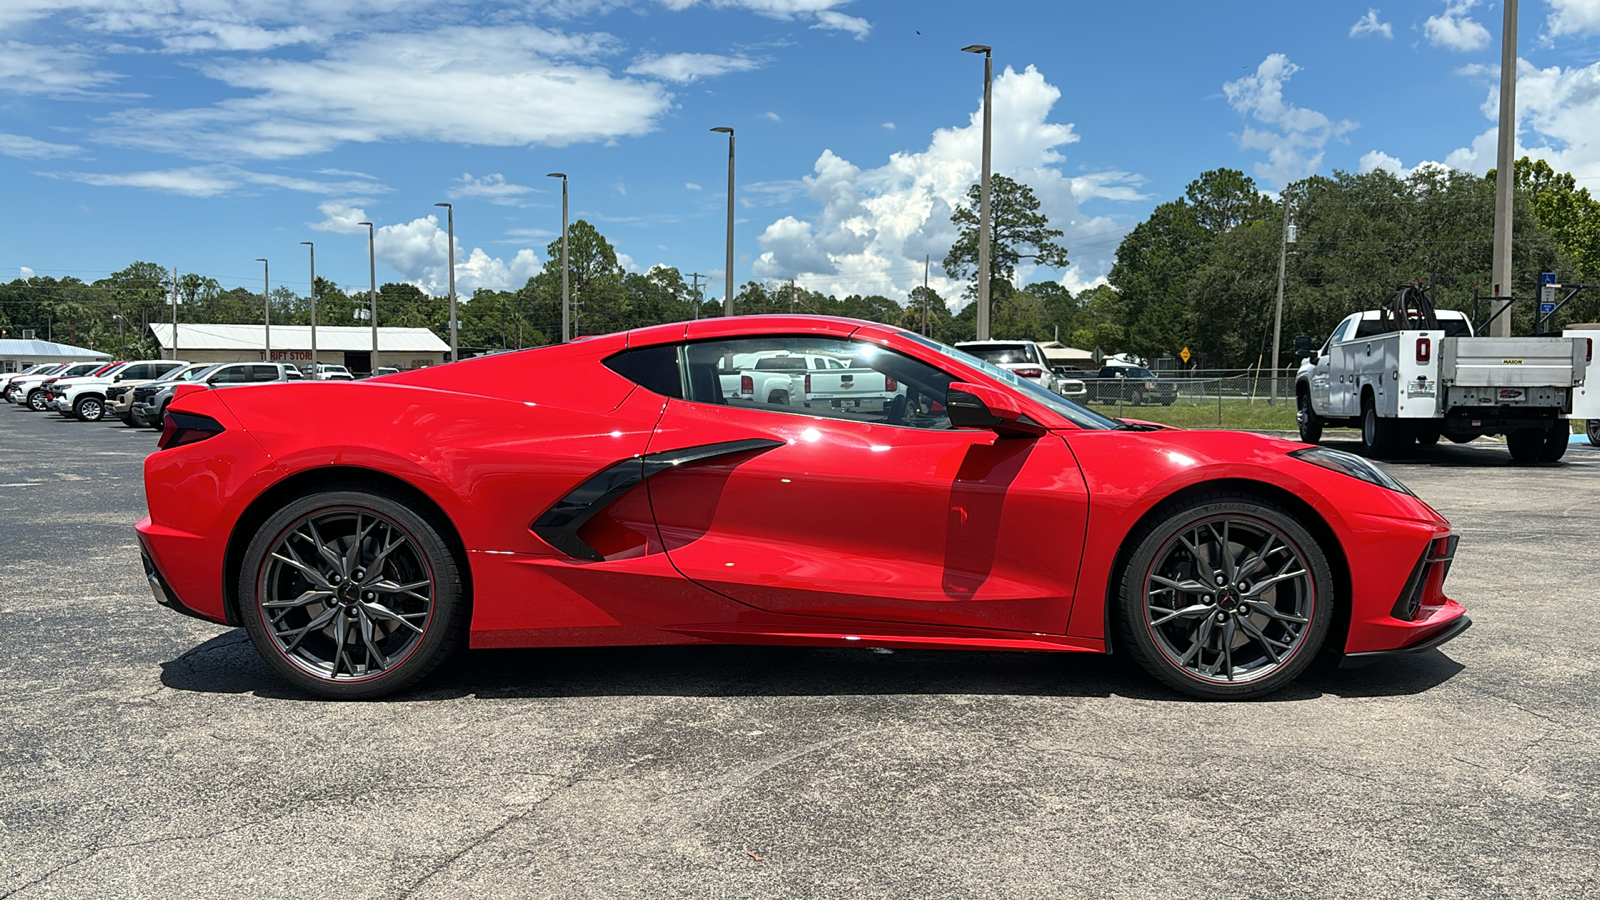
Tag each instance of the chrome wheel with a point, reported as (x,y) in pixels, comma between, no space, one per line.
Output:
(346,594)
(90,409)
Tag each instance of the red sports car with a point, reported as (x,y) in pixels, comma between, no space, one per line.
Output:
(887,491)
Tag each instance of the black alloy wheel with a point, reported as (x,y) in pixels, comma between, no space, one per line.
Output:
(350,593)
(1592,429)
(1228,596)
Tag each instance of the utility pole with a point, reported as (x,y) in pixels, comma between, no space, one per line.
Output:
(698,297)
(174,312)
(1277,322)
(372,294)
(566,296)
(450,222)
(266,300)
(727,300)
(315,372)
(927,258)
(1504,174)
(983,202)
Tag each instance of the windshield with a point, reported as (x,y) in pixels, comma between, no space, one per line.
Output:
(1072,412)
(1002,354)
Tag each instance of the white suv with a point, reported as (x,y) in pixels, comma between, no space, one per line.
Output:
(85,398)
(1025,358)
(329,372)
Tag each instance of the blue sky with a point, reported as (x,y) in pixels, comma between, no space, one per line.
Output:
(203,134)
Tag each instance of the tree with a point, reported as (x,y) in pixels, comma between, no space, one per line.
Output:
(1222,199)
(1018,231)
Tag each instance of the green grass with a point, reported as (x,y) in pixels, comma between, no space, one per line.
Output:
(1236,414)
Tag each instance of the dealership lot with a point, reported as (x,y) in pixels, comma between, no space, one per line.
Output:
(144,753)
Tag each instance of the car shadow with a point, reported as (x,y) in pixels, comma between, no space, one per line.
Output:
(1443,455)
(228,664)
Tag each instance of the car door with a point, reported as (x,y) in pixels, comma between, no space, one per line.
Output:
(1342,398)
(887,515)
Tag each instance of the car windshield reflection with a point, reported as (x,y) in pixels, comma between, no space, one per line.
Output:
(1072,412)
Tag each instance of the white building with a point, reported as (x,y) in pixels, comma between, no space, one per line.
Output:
(343,345)
(16,355)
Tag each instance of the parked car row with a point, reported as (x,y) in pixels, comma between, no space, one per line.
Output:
(136,392)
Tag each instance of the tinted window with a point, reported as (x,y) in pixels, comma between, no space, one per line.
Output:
(1004,354)
(770,374)
(231,375)
(653,368)
(264,373)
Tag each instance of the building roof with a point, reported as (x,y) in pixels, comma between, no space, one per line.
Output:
(1055,351)
(43,350)
(333,338)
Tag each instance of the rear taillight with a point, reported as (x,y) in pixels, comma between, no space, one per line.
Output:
(747,384)
(183,428)
(808,383)
(1028,373)
(1588,349)
(1424,349)
(889,384)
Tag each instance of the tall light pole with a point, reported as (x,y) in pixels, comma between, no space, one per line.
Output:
(1277,322)
(372,294)
(315,372)
(727,299)
(983,191)
(566,297)
(266,298)
(1504,173)
(450,220)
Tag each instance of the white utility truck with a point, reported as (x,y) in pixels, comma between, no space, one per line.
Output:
(1408,372)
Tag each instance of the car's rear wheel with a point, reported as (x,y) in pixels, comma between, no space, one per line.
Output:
(1592,429)
(350,593)
(1306,419)
(89,409)
(1379,435)
(1525,444)
(1226,597)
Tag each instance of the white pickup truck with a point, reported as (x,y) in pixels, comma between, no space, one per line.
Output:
(1409,373)
(772,376)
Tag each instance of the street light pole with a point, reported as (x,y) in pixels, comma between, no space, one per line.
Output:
(450,218)
(566,296)
(1500,326)
(983,202)
(315,372)
(372,294)
(266,299)
(727,299)
(1277,322)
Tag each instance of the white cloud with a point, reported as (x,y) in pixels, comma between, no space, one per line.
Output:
(215,181)
(689,185)
(873,227)
(418,250)
(25,147)
(1369,24)
(688,67)
(25,272)
(1373,160)
(838,21)
(888,126)
(1295,136)
(772,116)
(496,86)
(1574,17)
(493,188)
(1453,30)
(51,71)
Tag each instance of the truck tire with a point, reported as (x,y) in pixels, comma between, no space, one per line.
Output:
(1135,398)
(1592,429)
(1379,436)
(1306,418)
(1555,444)
(1526,444)
(1427,433)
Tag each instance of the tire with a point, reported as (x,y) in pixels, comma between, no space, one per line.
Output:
(159,421)
(36,400)
(1427,435)
(1592,429)
(1525,444)
(89,409)
(127,418)
(1379,436)
(1555,443)
(1306,418)
(370,642)
(1135,398)
(1225,642)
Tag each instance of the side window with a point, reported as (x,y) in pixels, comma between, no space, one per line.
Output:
(653,368)
(1341,333)
(264,373)
(231,375)
(860,381)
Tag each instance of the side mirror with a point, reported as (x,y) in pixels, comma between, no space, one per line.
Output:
(1302,346)
(1313,356)
(980,406)
(116,378)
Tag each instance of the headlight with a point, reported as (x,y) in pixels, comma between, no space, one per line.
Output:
(1352,465)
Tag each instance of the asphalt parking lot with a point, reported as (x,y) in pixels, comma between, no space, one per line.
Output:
(147,754)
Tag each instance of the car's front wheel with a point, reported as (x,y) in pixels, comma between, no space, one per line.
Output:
(350,593)
(1306,419)
(89,409)
(1225,597)
(36,401)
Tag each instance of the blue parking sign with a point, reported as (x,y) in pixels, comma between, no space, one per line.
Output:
(1547,278)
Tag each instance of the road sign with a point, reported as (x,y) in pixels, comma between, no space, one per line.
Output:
(1547,298)
(1546,309)
(1547,278)
(1184,355)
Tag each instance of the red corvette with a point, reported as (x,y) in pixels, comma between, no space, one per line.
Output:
(886,490)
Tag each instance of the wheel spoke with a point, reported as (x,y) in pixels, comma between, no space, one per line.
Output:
(341,634)
(1188,587)
(1260,559)
(1202,634)
(1260,637)
(302,600)
(323,550)
(368,633)
(317,624)
(1188,612)
(1262,606)
(316,577)
(1230,628)
(388,615)
(390,545)
(1260,587)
